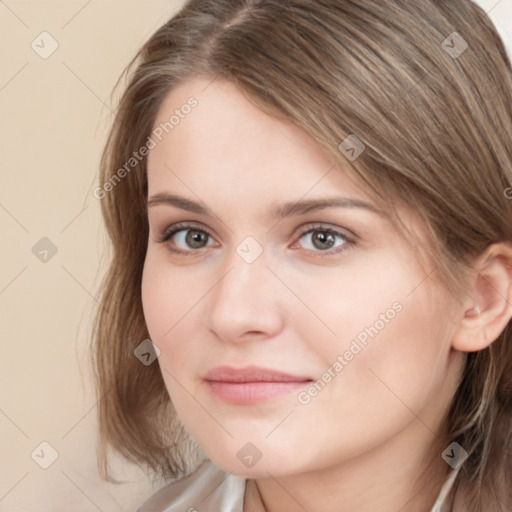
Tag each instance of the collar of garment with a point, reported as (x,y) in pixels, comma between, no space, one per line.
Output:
(209,489)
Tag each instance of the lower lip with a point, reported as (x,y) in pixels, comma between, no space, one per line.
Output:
(244,393)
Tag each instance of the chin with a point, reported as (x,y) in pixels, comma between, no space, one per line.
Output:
(249,461)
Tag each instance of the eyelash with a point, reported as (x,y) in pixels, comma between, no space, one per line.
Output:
(176,228)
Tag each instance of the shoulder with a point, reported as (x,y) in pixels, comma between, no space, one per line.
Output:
(206,488)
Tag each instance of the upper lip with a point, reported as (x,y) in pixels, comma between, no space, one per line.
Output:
(251,374)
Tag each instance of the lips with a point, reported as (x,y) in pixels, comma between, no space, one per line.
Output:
(252,384)
(251,374)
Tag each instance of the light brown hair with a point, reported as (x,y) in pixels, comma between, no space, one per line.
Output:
(437,130)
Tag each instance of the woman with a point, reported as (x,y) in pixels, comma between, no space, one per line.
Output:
(311,287)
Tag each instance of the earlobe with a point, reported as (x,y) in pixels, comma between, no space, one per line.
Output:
(488,309)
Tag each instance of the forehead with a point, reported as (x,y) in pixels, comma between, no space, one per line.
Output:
(225,141)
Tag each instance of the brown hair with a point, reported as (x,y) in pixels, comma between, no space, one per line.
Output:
(435,117)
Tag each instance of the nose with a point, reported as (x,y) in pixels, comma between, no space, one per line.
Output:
(245,303)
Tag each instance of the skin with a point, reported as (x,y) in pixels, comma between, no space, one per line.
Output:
(362,441)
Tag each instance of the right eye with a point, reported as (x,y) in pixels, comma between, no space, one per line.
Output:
(187,237)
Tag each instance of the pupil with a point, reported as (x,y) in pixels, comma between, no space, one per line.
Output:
(324,238)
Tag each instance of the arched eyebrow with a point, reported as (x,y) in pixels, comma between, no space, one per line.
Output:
(278,210)
(303,206)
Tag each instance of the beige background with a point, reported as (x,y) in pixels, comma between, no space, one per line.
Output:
(55,113)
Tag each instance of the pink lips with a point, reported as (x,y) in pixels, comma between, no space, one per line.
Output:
(251,384)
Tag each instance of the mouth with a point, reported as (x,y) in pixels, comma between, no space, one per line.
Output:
(252,384)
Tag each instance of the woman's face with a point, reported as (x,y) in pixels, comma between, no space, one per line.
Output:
(332,297)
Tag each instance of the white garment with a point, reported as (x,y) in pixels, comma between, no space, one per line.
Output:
(209,489)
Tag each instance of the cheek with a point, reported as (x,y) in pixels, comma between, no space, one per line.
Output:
(168,294)
(156,300)
(412,353)
(382,333)
(171,300)
(360,301)
(388,358)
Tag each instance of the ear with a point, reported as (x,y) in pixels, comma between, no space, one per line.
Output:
(488,308)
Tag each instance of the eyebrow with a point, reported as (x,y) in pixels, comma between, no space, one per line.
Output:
(279,210)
